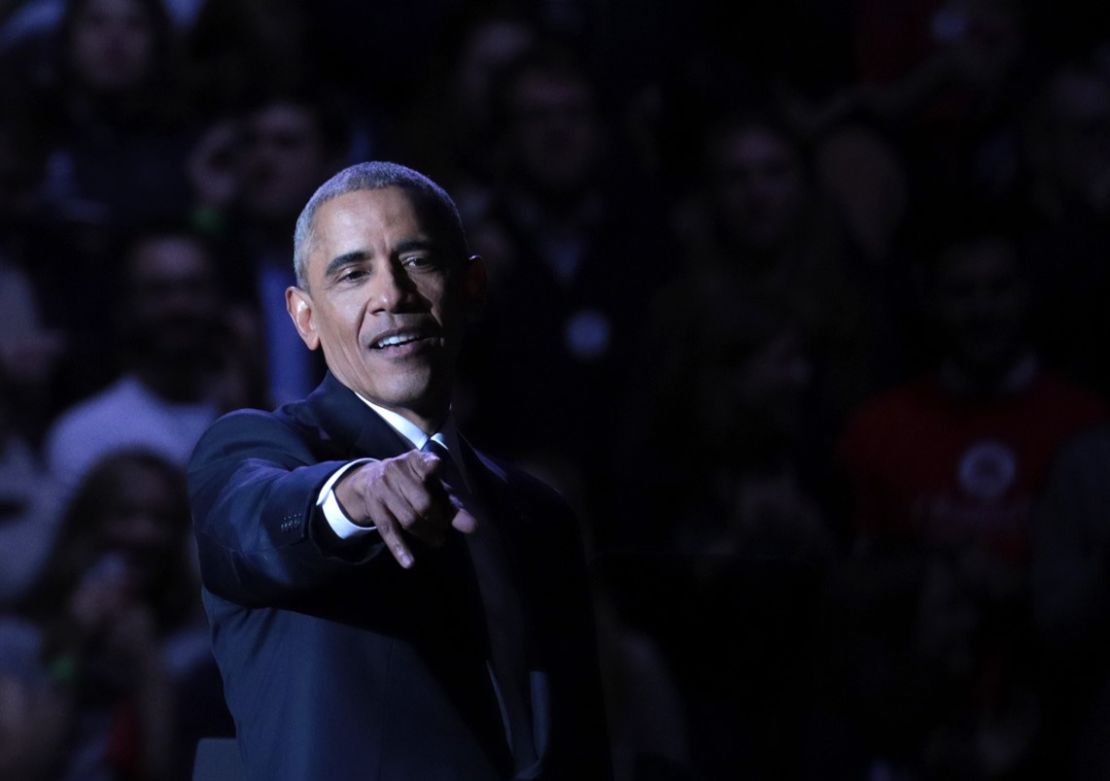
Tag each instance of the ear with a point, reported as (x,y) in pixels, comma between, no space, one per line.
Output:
(475,286)
(299,305)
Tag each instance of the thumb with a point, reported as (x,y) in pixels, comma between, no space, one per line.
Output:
(423,464)
(464,522)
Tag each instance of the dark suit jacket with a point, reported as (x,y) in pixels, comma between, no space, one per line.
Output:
(337,663)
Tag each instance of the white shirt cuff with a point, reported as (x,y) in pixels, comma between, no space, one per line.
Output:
(343,527)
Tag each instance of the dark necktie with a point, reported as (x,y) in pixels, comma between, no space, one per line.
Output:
(504,617)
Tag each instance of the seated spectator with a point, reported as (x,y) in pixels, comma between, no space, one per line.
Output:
(742,351)
(569,263)
(765,262)
(114,625)
(118,144)
(112,136)
(289,144)
(184,362)
(234,46)
(945,471)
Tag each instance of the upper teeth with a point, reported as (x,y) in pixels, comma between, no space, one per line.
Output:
(389,341)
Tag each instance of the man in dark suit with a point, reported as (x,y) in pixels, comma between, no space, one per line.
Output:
(387,602)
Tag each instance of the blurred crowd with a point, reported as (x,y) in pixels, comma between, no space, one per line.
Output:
(803,305)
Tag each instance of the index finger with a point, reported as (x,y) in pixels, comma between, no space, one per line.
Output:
(422,464)
(425,466)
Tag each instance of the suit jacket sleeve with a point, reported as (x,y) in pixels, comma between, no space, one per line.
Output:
(253,485)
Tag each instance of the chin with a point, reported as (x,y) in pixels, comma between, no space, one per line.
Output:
(416,396)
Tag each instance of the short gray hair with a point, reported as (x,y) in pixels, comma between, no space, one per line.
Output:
(429,199)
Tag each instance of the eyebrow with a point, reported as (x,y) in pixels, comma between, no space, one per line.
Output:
(346,259)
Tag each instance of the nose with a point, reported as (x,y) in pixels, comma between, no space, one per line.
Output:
(391,289)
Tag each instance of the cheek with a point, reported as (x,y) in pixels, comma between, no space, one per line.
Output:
(440,297)
(342,318)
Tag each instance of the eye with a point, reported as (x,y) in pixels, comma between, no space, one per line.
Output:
(420,262)
(352,274)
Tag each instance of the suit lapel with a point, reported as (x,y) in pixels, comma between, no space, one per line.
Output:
(356,430)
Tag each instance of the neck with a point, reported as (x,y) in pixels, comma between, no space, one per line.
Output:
(429,424)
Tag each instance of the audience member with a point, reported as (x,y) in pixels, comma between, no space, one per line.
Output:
(945,472)
(290,145)
(113,138)
(570,266)
(116,134)
(183,363)
(758,234)
(114,627)
(236,45)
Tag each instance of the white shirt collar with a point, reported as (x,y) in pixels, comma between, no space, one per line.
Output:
(447,436)
(411,432)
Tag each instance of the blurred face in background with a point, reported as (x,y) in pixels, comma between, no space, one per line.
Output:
(554,130)
(173,300)
(489,46)
(285,158)
(981,303)
(1077,144)
(141,522)
(111,44)
(759,187)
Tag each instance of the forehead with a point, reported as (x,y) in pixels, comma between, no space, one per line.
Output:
(365,220)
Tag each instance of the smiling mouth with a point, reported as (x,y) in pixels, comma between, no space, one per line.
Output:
(402,341)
